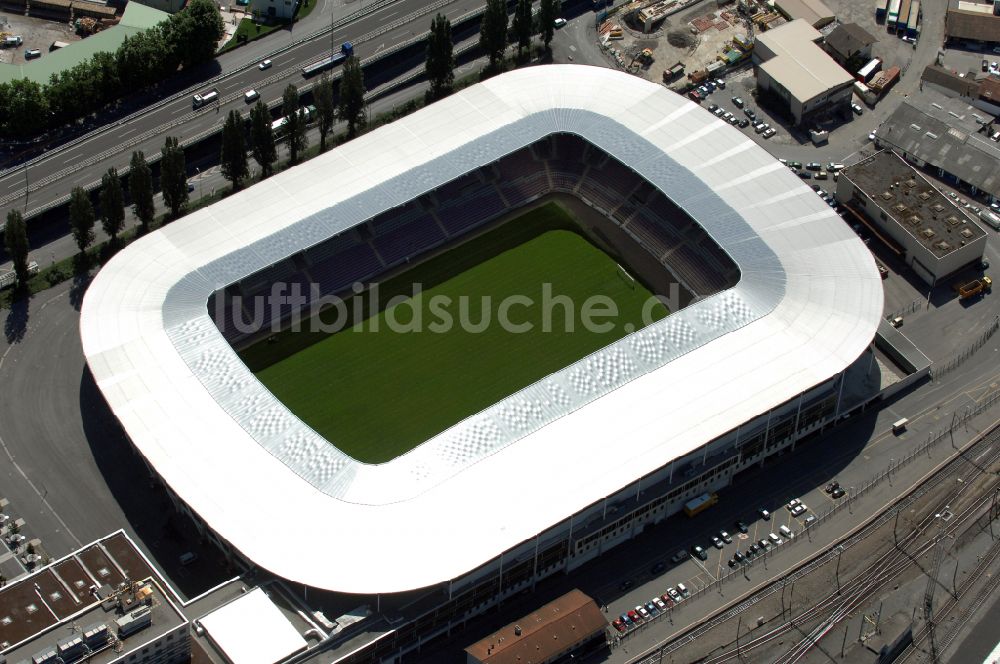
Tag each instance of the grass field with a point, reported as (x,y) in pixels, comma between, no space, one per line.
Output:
(378,394)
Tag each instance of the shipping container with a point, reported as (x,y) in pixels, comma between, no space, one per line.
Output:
(913,24)
(892,15)
(866,73)
(904,15)
(880,8)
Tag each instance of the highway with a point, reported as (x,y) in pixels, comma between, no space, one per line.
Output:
(381,27)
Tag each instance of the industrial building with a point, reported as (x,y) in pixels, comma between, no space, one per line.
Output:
(792,66)
(949,135)
(850,45)
(972,24)
(928,230)
(813,12)
(715,388)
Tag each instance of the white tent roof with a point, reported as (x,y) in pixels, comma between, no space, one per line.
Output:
(807,305)
(252,630)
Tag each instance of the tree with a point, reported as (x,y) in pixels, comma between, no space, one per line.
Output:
(295,123)
(173,176)
(325,108)
(440,57)
(112,204)
(548,12)
(81,218)
(235,165)
(27,108)
(352,96)
(493,31)
(523,25)
(15,237)
(140,187)
(262,139)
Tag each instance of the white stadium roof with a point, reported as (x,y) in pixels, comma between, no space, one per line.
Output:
(806,306)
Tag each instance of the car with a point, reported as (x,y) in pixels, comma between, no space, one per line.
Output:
(805,175)
(32,53)
(710,84)
(750,113)
(910,40)
(795,501)
(652,608)
(626,584)
(680,556)
(738,101)
(642,611)
(761,128)
(619,625)
(817,189)
(763,544)
(727,116)
(719,112)
(724,536)
(251,96)
(739,557)
(795,164)
(719,83)
(264,64)
(673,594)
(694,95)
(744,123)
(731,562)
(667,600)
(984,264)
(703,91)
(712,107)
(837,493)
(754,549)
(190,187)
(798,510)
(775,539)
(660,604)
(682,589)
(699,553)
(634,616)
(734,120)
(769,132)
(986,65)
(717,543)
(558,23)
(809,520)
(952,195)
(857,109)
(658,567)
(814,166)
(871,136)
(831,486)
(764,514)
(749,555)
(742,527)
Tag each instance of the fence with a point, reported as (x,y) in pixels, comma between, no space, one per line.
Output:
(959,419)
(908,309)
(939,370)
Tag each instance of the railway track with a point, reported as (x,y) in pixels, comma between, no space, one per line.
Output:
(839,604)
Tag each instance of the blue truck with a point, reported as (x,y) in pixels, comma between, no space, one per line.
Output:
(346,51)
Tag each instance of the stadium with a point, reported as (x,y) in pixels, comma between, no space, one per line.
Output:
(776,305)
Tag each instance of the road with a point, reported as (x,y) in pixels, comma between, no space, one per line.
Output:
(52,177)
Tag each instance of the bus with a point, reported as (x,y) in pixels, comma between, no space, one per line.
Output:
(698,505)
(307,113)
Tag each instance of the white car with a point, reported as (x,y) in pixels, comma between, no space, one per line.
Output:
(768,133)
(251,96)
(871,136)
(798,509)
(559,22)
(265,64)
(794,502)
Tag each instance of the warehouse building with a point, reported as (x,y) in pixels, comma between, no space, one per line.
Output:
(933,235)
(813,12)
(792,67)
(972,24)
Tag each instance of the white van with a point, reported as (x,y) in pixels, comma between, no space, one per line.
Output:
(774,538)
(899,426)
(251,96)
(786,532)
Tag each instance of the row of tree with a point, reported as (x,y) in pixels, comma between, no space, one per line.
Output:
(186,39)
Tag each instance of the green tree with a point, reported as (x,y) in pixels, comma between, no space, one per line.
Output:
(524,26)
(27,109)
(15,238)
(262,139)
(104,68)
(112,204)
(173,176)
(548,12)
(440,57)
(81,218)
(235,165)
(194,33)
(295,123)
(493,31)
(325,109)
(352,96)
(140,188)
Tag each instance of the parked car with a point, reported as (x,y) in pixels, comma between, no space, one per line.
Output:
(774,539)
(734,120)
(673,594)
(744,123)
(682,589)
(724,536)
(667,600)
(831,486)
(710,84)
(764,544)
(795,164)
(732,562)
(857,109)
(719,112)
(739,557)
(712,107)
(805,175)
(694,96)
(750,113)
(680,556)
(658,567)
(634,616)
(727,116)
(719,83)
(764,514)
(717,543)
(761,128)
(814,166)
(754,549)
(738,101)
(798,510)
(795,501)
(264,64)
(620,625)
(652,608)
(559,22)
(742,527)
(809,520)
(986,65)
(642,611)
(768,133)
(699,553)
(703,91)
(660,604)
(838,492)
(32,53)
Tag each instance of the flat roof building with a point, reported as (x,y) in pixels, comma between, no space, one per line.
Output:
(794,70)
(850,44)
(971,23)
(935,237)
(570,625)
(813,12)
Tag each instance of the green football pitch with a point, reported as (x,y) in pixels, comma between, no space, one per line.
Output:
(403,374)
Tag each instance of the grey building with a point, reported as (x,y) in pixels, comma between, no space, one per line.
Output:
(849,44)
(927,229)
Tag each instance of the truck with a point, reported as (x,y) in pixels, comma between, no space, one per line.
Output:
(203,98)
(697,77)
(990,218)
(674,72)
(866,73)
(885,80)
(12,41)
(913,23)
(307,113)
(880,8)
(975,287)
(346,51)
(699,504)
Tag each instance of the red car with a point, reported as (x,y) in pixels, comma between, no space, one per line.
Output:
(694,95)
(667,600)
(619,625)
(633,616)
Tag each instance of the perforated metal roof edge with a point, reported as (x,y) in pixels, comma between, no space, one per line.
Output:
(807,305)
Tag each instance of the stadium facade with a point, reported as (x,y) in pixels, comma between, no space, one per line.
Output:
(557,473)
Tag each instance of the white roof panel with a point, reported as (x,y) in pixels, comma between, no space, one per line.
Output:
(806,306)
(252,630)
